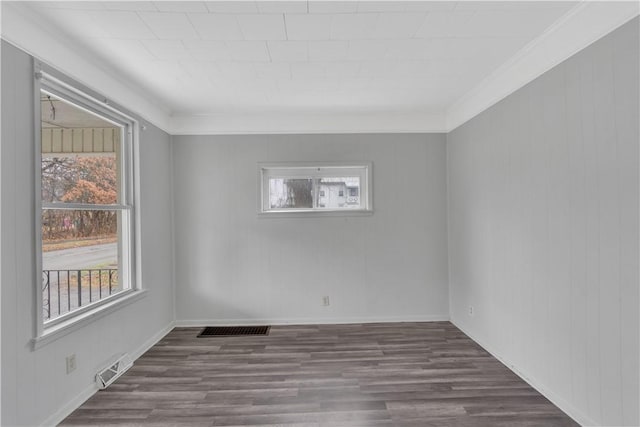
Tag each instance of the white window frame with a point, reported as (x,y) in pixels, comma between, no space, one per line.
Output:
(128,247)
(313,170)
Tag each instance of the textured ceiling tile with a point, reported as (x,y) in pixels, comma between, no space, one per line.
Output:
(307,70)
(69,5)
(133,6)
(167,49)
(288,51)
(120,49)
(381,6)
(79,23)
(376,69)
(122,25)
(429,6)
(412,49)
(262,27)
(248,50)
(298,6)
(339,70)
(181,6)
(444,24)
(236,71)
(320,6)
(513,5)
(227,7)
(331,50)
(279,70)
(398,25)
(169,25)
(216,27)
(208,50)
(200,70)
(369,49)
(222,55)
(353,26)
(308,27)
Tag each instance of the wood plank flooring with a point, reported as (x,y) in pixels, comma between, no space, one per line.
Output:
(369,375)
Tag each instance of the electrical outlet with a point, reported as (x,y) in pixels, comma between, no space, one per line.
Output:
(325,301)
(470,310)
(71,363)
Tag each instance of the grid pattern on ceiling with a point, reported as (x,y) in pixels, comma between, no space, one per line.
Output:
(205,57)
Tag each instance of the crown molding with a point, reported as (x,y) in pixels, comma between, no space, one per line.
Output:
(577,29)
(23,30)
(264,122)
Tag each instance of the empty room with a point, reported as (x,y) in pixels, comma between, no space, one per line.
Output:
(320,213)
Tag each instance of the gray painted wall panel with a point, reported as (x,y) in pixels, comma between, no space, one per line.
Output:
(236,267)
(543,217)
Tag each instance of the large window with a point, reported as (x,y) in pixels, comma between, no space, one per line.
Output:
(86,197)
(315,188)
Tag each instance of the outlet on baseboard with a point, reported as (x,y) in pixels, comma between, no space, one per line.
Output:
(71,363)
(470,310)
(325,301)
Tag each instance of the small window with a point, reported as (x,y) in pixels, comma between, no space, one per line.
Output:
(319,188)
(86,197)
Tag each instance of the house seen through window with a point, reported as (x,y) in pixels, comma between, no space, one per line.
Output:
(305,188)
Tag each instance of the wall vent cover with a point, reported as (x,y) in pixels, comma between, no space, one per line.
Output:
(226,331)
(108,375)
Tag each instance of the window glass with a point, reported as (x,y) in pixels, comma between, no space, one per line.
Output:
(308,188)
(79,258)
(85,219)
(332,192)
(290,193)
(80,178)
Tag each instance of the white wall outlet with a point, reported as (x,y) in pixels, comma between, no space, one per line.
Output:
(325,301)
(71,363)
(470,310)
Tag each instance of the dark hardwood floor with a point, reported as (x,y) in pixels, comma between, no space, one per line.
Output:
(386,374)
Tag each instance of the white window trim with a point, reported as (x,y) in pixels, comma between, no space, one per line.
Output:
(310,169)
(64,324)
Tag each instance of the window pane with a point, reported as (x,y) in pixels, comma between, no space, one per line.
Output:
(306,187)
(80,179)
(287,193)
(338,192)
(80,258)
(80,155)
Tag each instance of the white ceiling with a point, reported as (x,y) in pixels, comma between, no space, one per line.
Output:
(300,57)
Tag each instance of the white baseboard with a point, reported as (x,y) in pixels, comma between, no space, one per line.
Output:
(152,341)
(309,321)
(71,406)
(90,390)
(577,415)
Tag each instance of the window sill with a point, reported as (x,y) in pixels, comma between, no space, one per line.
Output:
(315,213)
(61,329)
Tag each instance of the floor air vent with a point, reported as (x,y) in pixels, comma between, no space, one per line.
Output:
(226,331)
(112,372)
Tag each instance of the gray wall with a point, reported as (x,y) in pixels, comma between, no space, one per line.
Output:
(35,386)
(233,266)
(543,216)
